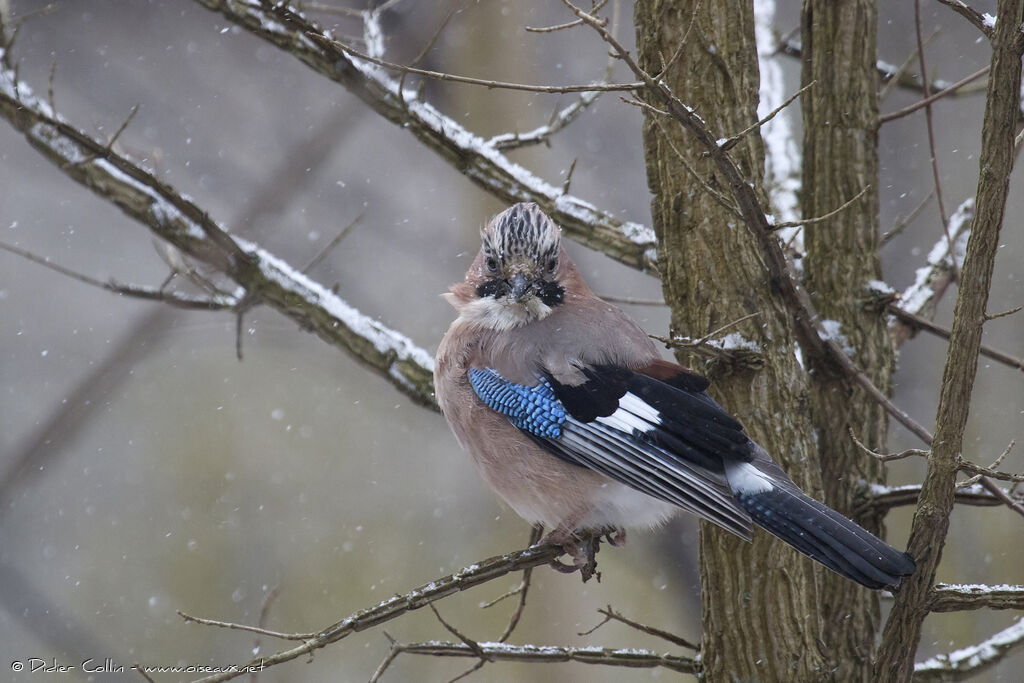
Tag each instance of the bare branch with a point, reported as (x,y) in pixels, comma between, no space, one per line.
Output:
(898,75)
(931,129)
(732,141)
(886,497)
(901,223)
(970,661)
(489,84)
(524,587)
(612,615)
(474,575)
(824,217)
(181,222)
(342,234)
(631,657)
(961,597)
(910,109)
(970,14)
(910,452)
(630,243)
(245,627)
(219,302)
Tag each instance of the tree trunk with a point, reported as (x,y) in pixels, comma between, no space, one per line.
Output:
(761,606)
(840,159)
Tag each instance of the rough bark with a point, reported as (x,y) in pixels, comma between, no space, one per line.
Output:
(760,614)
(931,520)
(840,159)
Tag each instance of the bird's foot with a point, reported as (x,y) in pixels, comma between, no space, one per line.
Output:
(581,546)
(615,537)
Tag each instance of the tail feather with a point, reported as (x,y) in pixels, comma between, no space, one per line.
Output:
(826,536)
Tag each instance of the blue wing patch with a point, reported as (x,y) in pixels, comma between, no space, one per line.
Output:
(532,409)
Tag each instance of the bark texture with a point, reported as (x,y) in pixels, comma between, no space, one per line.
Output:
(840,159)
(760,604)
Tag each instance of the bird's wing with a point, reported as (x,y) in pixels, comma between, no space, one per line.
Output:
(662,434)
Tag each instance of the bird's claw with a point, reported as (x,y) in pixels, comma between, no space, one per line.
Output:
(582,548)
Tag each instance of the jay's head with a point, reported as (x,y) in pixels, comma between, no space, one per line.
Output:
(520,273)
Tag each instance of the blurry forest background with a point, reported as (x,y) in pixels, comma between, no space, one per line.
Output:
(166,475)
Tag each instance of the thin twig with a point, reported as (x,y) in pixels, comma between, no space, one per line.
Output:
(931,129)
(176,299)
(612,615)
(897,76)
(882,457)
(731,141)
(342,234)
(919,322)
(824,217)
(142,672)
(524,587)
(245,627)
(453,78)
(910,109)
(996,316)
(474,575)
(970,14)
(630,301)
(127,122)
(901,223)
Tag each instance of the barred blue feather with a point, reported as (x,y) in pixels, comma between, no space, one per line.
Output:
(533,409)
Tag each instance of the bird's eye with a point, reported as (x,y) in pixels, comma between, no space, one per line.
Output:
(552,265)
(492,264)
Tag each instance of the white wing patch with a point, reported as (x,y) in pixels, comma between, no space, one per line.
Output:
(633,413)
(745,478)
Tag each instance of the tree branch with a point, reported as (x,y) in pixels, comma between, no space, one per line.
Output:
(970,661)
(629,657)
(185,225)
(962,597)
(630,243)
(474,575)
(970,14)
(883,498)
(467,80)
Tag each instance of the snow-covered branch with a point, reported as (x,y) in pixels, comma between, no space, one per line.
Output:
(495,652)
(169,215)
(961,597)
(932,279)
(884,497)
(970,661)
(478,159)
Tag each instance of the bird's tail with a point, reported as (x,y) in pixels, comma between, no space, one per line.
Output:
(826,536)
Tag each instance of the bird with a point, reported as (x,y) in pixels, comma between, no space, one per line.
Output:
(574,420)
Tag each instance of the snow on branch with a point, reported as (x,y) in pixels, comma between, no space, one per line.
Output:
(944,260)
(962,597)
(169,215)
(478,159)
(970,661)
(494,652)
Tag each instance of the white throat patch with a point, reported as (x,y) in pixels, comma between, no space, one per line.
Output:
(503,314)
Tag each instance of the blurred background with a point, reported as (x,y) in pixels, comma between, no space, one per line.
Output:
(163,474)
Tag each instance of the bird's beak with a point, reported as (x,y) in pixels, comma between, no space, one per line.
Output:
(520,285)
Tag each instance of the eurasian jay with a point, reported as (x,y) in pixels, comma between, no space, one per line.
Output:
(576,422)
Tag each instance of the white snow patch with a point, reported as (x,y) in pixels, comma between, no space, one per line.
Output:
(782,155)
(941,256)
